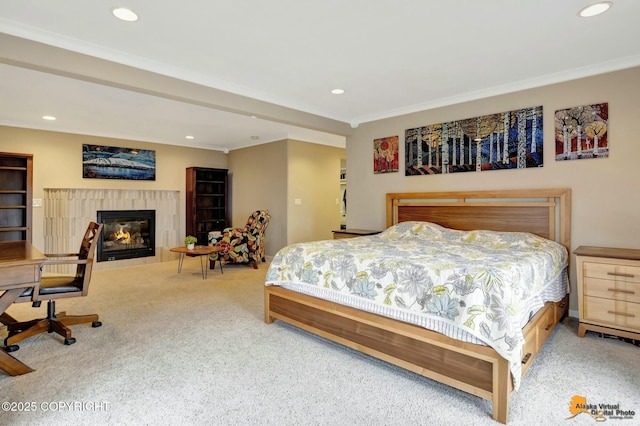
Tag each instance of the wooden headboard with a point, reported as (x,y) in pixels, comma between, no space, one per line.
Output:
(544,212)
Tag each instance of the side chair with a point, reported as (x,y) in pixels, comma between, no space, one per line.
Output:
(241,245)
(56,287)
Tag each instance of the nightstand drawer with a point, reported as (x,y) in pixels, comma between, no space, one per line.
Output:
(609,289)
(614,312)
(612,271)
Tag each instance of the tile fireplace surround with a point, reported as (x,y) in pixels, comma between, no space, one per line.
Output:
(68,211)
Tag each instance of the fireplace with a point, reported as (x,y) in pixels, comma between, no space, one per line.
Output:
(126,234)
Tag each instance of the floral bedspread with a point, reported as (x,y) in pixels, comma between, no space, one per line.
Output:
(482,284)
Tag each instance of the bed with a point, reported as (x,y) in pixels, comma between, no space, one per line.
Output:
(467,358)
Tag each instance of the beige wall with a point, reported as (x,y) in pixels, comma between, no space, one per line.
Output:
(273,175)
(313,178)
(57,159)
(258,180)
(606,198)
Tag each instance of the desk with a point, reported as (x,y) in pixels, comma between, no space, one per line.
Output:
(199,251)
(20,266)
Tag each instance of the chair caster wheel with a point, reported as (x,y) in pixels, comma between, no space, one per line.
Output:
(69,341)
(96,324)
(12,348)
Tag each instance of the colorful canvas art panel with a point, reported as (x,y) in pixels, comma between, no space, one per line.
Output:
(385,155)
(110,162)
(506,140)
(582,132)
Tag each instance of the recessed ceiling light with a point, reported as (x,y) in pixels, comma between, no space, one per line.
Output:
(48,117)
(595,9)
(124,14)
(337,91)
(255,137)
(189,137)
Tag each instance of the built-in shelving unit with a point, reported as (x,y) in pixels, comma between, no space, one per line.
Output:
(207,202)
(16,194)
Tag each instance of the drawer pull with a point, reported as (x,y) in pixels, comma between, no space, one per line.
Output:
(621,291)
(620,274)
(548,327)
(624,314)
(526,358)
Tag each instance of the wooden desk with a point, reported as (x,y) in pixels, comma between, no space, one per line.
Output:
(199,251)
(20,264)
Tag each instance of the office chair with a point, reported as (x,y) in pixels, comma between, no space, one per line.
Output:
(57,287)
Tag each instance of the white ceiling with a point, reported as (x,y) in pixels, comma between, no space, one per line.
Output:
(203,67)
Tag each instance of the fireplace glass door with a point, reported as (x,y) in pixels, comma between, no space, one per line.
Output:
(127,234)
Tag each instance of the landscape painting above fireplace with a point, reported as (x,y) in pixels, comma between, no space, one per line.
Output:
(110,162)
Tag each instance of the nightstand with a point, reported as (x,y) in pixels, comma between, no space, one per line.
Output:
(608,290)
(351,233)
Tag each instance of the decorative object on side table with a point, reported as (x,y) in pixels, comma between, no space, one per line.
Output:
(190,241)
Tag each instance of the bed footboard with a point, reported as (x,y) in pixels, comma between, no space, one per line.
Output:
(475,369)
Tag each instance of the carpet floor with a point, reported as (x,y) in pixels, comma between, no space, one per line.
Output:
(177,349)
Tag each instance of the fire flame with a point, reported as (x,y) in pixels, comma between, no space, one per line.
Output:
(123,236)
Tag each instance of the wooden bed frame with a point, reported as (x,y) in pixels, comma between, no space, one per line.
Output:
(473,368)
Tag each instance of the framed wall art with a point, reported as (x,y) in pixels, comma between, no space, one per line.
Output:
(506,140)
(385,155)
(582,132)
(109,162)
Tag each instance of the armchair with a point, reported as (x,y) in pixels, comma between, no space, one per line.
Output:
(56,287)
(241,245)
